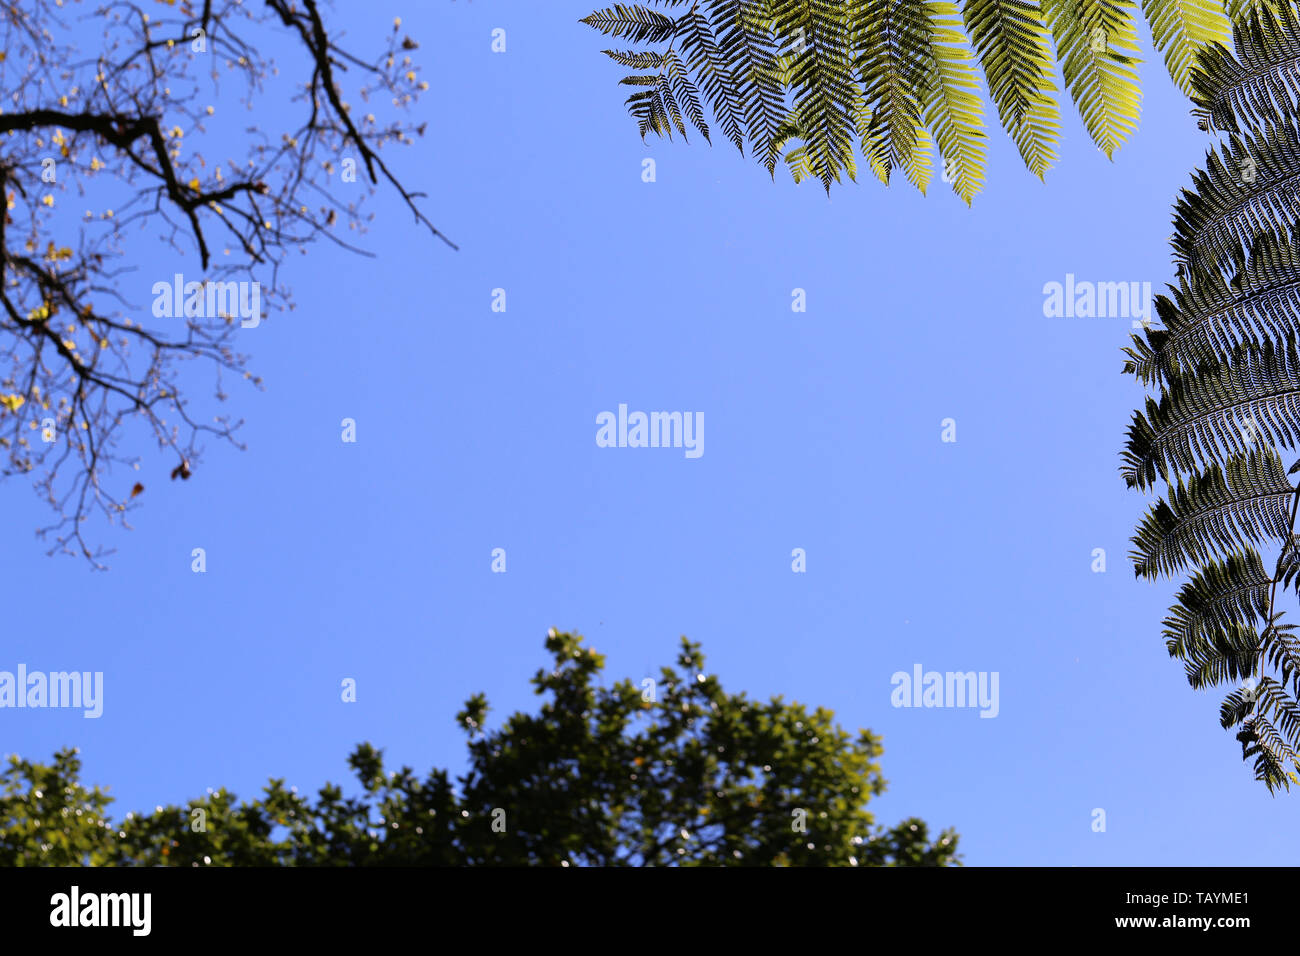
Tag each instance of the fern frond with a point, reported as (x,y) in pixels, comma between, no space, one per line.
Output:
(633,22)
(1181,29)
(879,71)
(745,39)
(800,164)
(1206,319)
(636,59)
(1236,707)
(1222,596)
(951,104)
(1148,353)
(917,163)
(820,78)
(1227,364)
(1095,40)
(1268,740)
(1262,80)
(1281,651)
(1226,508)
(1259,739)
(891,38)
(1011,41)
(710,65)
(1247,187)
(685,92)
(648,107)
(1221,656)
(1272,700)
(1217,413)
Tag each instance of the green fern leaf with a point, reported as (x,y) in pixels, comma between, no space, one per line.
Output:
(819,74)
(1011,41)
(1095,40)
(1181,29)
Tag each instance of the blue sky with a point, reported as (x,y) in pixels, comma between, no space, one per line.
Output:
(475,431)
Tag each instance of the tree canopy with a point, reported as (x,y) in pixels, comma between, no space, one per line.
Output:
(667,771)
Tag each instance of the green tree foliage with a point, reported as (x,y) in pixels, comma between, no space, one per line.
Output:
(601,776)
(1226,372)
(815,81)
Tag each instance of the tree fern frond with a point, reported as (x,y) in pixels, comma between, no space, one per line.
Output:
(917,162)
(670,104)
(874,140)
(1226,508)
(1272,700)
(1236,707)
(685,92)
(1239,10)
(1011,41)
(1221,656)
(636,59)
(754,62)
(1270,720)
(1218,413)
(1227,365)
(710,65)
(1280,649)
(816,46)
(1260,739)
(745,38)
(1220,596)
(1208,318)
(891,37)
(1148,353)
(1094,43)
(1181,29)
(648,109)
(1247,187)
(1262,79)
(800,164)
(951,105)
(633,22)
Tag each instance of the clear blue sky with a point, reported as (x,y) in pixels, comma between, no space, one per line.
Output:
(476,431)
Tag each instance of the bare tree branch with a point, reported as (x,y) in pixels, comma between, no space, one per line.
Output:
(82,364)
